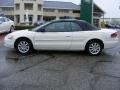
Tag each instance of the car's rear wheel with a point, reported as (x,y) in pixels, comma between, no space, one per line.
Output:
(23,46)
(94,48)
(11,29)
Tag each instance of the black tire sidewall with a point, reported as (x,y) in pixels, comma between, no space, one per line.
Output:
(11,29)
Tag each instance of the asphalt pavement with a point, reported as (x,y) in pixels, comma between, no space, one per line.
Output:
(59,70)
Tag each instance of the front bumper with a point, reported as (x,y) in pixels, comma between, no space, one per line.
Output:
(9,43)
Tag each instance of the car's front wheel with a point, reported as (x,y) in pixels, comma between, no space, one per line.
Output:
(94,48)
(23,46)
(11,29)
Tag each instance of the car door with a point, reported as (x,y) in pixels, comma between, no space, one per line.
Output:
(7,24)
(79,36)
(2,25)
(57,36)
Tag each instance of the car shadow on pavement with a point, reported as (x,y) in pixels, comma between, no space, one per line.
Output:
(15,56)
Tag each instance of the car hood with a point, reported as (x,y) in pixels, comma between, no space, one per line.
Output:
(22,33)
(26,31)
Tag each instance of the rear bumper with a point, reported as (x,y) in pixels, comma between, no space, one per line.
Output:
(111,44)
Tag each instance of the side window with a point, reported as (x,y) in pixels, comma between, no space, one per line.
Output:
(87,27)
(75,26)
(90,27)
(2,19)
(58,27)
(6,19)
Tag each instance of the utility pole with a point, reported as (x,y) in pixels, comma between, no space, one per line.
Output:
(86,10)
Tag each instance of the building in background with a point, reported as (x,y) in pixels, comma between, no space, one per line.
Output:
(44,10)
(111,20)
(7,8)
(34,8)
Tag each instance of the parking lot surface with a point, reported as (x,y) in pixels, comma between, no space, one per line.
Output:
(54,70)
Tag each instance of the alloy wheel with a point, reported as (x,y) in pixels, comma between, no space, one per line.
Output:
(23,47)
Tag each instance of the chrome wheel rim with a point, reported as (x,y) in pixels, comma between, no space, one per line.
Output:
(94,48)
(12,29)
(23,47)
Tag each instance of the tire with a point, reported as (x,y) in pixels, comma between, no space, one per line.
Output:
(23,46)
(94,48)
(11,29)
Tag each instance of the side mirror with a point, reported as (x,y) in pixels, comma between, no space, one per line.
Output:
(42,30)
(1,22)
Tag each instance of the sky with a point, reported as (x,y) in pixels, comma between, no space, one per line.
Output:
(110,7)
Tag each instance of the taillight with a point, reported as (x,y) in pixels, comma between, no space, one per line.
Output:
(114,35)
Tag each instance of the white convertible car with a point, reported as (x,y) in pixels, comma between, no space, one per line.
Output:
(67,34)
(6,25)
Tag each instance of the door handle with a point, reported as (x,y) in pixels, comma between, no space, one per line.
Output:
(67,36)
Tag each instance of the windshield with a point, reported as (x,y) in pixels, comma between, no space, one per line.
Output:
(36,28)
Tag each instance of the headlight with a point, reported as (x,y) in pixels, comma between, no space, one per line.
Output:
(9,37)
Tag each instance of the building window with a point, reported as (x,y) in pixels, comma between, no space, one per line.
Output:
(39,7)
(49,18)
(17,18)
(30,17)
(17,6)
(48,10)
(28,0)
(76,11)
(28,6)
(63,11)
(0,9)
(77,18)
(39,17)
(7,9)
